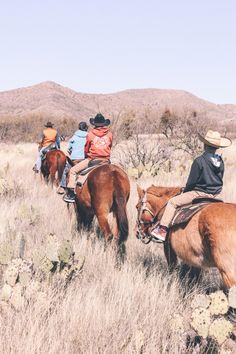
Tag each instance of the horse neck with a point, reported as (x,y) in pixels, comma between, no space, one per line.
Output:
(159,196)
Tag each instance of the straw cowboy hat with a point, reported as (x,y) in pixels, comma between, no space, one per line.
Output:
(99,121)
(49,125)
(214,139)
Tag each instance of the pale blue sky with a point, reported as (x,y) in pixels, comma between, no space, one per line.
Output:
(105,46)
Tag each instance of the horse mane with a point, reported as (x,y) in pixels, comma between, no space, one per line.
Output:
(160,191)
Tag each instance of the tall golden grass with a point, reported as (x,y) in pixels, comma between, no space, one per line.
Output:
(106,310)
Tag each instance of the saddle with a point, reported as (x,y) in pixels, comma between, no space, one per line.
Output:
(47,149)
(93,164)
(185,213)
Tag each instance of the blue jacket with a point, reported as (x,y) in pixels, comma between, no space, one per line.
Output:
(76,145)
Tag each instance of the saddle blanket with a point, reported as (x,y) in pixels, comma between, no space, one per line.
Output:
(83,175)
(185,213)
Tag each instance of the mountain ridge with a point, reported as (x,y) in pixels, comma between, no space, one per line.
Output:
(59,101)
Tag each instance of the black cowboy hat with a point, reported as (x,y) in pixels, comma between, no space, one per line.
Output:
(49,125)
(99,121)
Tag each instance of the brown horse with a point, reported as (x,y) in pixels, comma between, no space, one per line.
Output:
(106,191)
(54,162)
(207,240)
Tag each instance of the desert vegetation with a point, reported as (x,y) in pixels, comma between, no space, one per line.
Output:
(102,309)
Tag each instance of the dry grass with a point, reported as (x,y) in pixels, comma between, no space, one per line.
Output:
(106,310)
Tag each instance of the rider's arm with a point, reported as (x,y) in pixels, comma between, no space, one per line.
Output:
(193,176)
(87,146)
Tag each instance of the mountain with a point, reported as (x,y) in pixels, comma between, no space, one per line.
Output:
(52,99)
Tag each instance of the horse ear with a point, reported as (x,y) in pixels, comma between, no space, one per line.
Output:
(140,191)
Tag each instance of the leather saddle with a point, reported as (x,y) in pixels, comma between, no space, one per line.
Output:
(93,164)
(186,212)
(47,149)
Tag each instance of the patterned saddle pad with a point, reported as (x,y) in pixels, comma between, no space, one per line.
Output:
(185,213)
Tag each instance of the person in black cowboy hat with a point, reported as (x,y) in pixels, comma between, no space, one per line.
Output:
(98,146)
(50,137)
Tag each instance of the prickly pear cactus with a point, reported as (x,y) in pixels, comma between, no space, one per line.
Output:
(6,252)
(52,246)
(6,292)
(201,320)
(11,275)
(200,300)
(219,303)
(65,251)
(220,329)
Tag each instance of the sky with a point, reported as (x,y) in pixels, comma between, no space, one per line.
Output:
(104,46)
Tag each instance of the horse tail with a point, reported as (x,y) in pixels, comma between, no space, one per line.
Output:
(120,201)
(61,160)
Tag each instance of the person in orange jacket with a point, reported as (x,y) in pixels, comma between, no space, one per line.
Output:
(98,146)
(50,139)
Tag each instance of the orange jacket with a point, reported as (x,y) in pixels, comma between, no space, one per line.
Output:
(49,136)
(98,143)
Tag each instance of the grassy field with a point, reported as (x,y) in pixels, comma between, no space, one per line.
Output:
(106,310)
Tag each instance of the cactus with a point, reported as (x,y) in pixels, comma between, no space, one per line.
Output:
(220,329)
(11,275)
(52,245)
(17,298)
(65,251)
(6,292)
(200,321)
(6,252)
(200,300)
(219,303)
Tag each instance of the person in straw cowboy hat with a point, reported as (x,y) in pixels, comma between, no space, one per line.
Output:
(205,180)
(98,146)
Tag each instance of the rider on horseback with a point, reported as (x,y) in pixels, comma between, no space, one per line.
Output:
(50,140)
(76,152)
(97,147)
(205,181)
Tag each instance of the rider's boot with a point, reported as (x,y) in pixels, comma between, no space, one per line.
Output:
(35,169)
(159,233)
(69,197)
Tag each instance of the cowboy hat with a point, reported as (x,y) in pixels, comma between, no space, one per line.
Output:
(99,121)
(214,139)
(49,125)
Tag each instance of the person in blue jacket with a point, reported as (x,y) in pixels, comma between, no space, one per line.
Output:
(75,150)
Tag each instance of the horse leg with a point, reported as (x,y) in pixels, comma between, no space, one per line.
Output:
(104,225)
(170,255)
(52,174)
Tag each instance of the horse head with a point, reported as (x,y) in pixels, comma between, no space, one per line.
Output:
(150,208)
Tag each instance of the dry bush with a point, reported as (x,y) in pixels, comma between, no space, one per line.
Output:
(182,132)
(29,128)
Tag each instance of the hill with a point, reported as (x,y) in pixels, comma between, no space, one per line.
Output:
(58,101)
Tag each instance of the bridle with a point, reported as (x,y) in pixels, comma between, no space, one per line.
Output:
(142,236)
